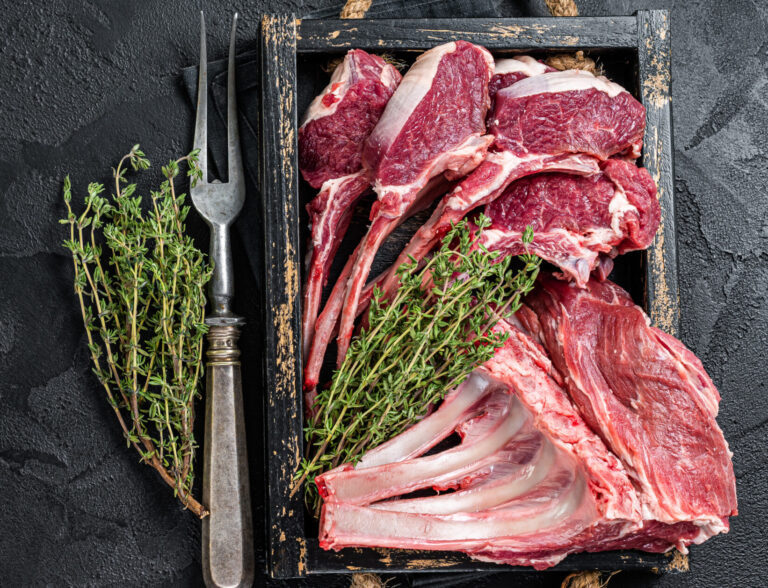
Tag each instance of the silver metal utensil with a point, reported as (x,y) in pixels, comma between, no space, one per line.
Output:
(228,556)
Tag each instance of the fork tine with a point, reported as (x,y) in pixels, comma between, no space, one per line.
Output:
(201,120)
(233,133)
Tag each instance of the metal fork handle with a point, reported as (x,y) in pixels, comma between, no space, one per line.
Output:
(222,284)
(228,553)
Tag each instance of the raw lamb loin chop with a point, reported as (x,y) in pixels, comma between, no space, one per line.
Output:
(532,481)
(579,223)
(433,126)
(564,121)
(331,140)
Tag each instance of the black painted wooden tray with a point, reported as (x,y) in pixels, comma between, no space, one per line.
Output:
(635,51)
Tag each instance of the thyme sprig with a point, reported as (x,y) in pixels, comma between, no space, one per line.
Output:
(140,280)
(425,341)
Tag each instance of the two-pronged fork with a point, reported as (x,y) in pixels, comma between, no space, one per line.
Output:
(228,556)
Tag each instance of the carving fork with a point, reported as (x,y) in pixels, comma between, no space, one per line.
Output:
(228,555)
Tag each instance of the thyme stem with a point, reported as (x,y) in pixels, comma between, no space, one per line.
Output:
(435,330)
(145,300)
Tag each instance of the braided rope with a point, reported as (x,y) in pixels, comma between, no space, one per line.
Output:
(562,7)
(355,8)
(576,60)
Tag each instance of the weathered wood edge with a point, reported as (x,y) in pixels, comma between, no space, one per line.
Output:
(378,560)
(285,515)
(662,294)
(654,58)
(614,32)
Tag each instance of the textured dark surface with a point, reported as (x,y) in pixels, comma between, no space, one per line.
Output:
(82,81)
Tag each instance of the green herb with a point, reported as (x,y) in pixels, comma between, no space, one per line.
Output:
(140,283)
(418,346)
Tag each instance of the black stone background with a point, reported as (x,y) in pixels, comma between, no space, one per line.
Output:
(80,82)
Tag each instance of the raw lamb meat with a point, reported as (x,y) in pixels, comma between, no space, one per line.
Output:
(330,214)
(506,72)
(565,121)
(589,430)
(578,222)
(568,111)
(531,480)
(645,394)
(434,125)
(331,141)
(340,119)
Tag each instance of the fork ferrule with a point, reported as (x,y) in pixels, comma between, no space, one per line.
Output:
(222,285)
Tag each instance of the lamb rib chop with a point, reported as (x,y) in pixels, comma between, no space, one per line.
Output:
(325,326)
(340,119)
(331,141)
(434,125)
(506,73)
(565,121)
(580,223)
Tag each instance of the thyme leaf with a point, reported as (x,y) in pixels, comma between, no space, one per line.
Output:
(139,281)
(419,345)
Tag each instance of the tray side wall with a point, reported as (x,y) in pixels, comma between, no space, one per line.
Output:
(653,44)
(611,32)
(280,186)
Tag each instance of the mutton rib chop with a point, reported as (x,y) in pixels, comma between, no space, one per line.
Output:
(506,72)
(331,139)
(580,223)
(433,127)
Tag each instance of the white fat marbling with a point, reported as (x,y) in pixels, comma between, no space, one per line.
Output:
(561,81)
(338,86)
(522,63)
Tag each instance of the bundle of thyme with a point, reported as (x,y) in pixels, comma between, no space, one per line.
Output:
(417,347)
(140,283)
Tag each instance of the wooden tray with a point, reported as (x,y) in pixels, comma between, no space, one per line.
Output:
(635,51)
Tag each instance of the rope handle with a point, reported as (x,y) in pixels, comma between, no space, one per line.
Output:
(562,7)
(569,60)
(355,8)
